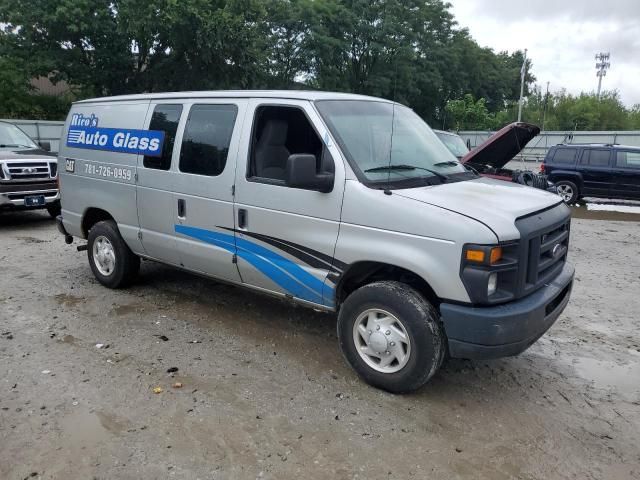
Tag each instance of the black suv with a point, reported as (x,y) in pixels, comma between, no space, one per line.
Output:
(594,170)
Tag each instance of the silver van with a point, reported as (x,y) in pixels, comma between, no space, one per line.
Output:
(343,203)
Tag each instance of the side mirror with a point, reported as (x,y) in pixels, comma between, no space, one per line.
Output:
(301,173)
(45,146)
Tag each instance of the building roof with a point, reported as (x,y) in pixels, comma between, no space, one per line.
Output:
(310,95)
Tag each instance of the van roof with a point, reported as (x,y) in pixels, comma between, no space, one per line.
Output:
(288,94)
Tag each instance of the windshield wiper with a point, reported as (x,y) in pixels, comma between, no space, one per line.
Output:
(386,168)
(448,163)
(6,145)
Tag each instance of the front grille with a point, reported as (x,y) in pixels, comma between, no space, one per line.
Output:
(544,246)
(28,170)
(547,254)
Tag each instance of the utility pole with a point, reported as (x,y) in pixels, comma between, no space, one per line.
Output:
(523,72)
(544,109)
(602,65)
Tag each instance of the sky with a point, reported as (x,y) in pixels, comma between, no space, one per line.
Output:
(562,38)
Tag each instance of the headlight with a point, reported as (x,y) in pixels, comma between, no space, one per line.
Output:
(489,272)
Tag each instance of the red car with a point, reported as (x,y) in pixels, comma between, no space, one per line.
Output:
(490,157)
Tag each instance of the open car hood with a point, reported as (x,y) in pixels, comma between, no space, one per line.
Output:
(502,146)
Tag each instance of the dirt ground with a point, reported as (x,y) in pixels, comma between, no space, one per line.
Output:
(266,394)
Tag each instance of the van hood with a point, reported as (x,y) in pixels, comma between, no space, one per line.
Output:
(500,148)
(495,203)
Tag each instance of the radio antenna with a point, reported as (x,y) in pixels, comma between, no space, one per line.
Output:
(387,190)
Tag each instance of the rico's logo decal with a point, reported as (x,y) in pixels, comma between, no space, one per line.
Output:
(84,132)
(288,275)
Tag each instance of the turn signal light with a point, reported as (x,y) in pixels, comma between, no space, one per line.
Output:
(479,255)
(475,256)
(496,255)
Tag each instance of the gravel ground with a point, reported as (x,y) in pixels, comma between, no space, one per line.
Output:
(266,394)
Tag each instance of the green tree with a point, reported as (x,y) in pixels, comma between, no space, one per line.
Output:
(468,113)
(634,118)
(110,47)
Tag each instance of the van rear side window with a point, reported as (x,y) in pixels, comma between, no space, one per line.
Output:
(565,155)
(165,118)
(207,135)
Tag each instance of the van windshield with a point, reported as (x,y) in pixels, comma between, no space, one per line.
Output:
(12,137)
(403,154)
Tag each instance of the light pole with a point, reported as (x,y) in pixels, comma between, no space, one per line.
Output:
(602,65)
(544,109)
(523,72)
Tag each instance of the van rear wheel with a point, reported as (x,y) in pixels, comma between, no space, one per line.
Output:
(111,260)
(391,336)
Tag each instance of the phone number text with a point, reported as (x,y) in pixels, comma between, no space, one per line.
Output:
(108,171)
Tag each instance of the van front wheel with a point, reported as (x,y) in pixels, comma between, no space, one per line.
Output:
(111,260)
(391,336)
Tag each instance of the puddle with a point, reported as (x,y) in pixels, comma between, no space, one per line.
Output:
(605,375)
(68,300)
(83,429)
(604,209)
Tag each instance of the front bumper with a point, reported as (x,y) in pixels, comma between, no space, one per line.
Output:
(12,195)
(508,329)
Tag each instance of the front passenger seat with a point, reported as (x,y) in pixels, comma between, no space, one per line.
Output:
(271,154)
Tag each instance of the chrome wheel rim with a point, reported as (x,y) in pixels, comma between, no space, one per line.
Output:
(104,256)
(381,340)
(565,191)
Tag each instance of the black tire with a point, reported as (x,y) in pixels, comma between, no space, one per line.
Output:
(127,263)
(419,319)
(567,186)
(54,209)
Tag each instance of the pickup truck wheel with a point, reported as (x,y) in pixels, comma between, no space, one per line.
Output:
(111,260)
(54,209)
(391,336)
(568,191)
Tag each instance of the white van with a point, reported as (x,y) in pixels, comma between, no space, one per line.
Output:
(343,203)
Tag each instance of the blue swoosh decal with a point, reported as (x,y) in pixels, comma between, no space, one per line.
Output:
(285,273)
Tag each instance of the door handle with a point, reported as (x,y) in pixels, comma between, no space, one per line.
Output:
(242,219)
(182,208)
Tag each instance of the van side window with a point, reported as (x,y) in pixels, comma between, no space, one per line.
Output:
(206,139)
(595,158)
(628,160)
(165,118)
(279,132)
(565,155)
